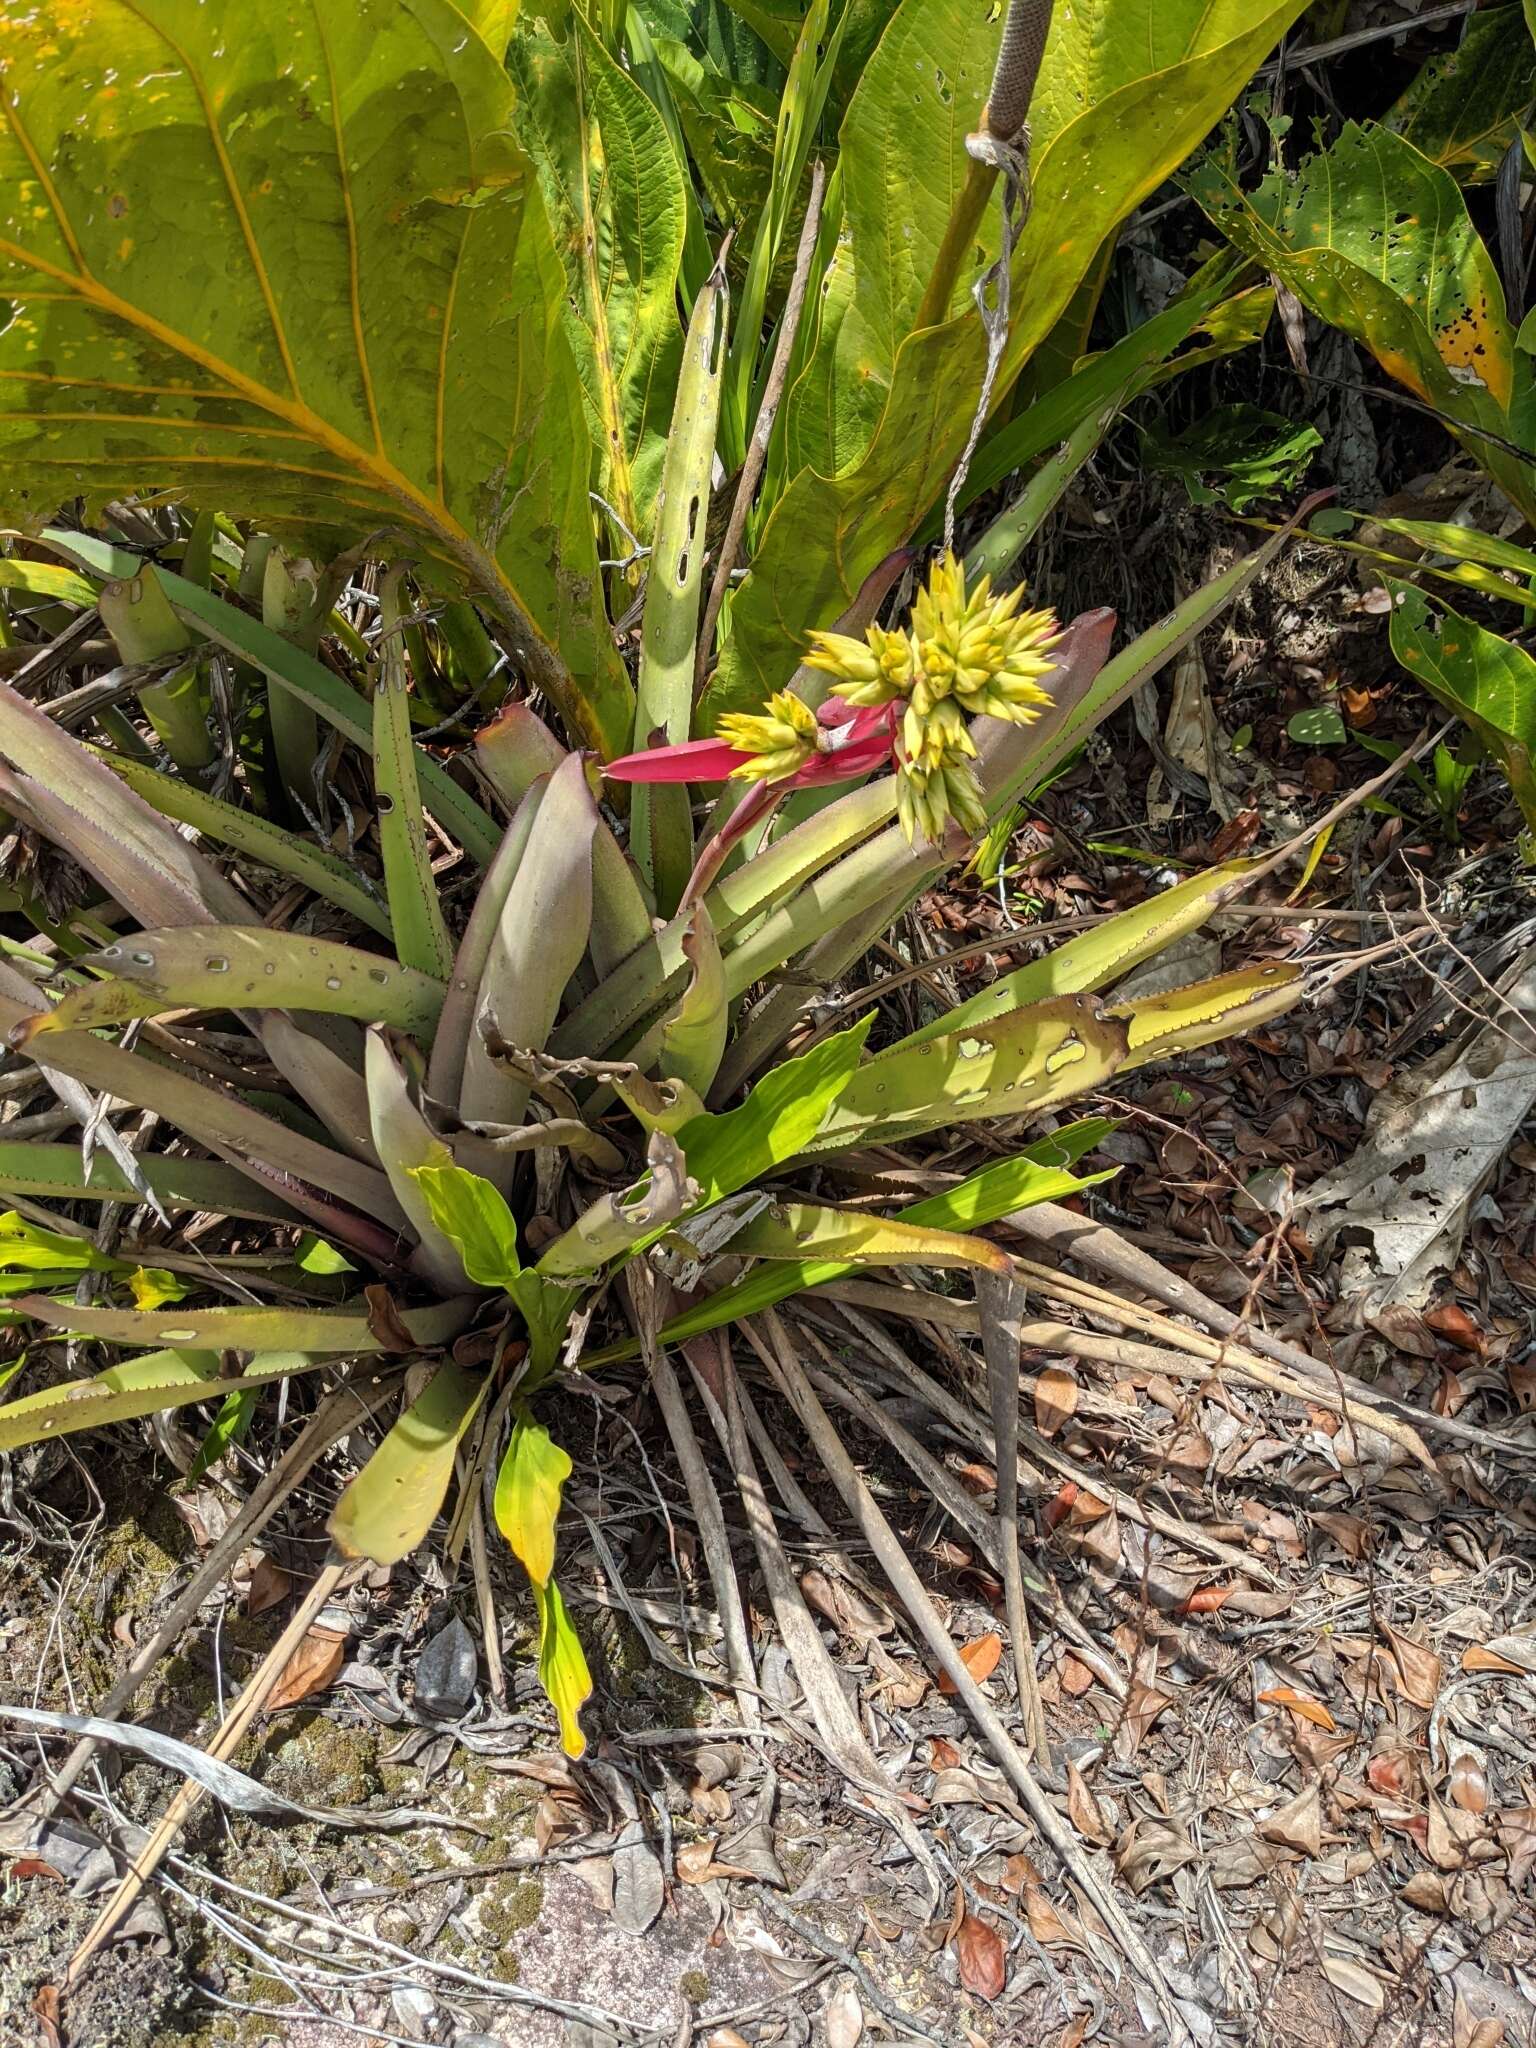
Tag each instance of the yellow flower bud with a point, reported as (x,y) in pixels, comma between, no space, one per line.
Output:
(780,740)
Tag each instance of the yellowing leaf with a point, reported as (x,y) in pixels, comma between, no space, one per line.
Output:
(563,1669)
(1182,1018)
(387,1510)
(153,1286)
(528,1488)
(797,1230)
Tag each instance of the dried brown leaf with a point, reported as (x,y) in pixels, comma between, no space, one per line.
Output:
(1468,1785)
(980,1958)
(1055,1400)
(1298,1824)
(1084,1810)
(1355,1981)
(1143,1705)
(1076,1678)
(844,2018)
(314,1665)
(979,1658)
(45,2008)
(1050,1925)
(269,1585)
(1418,1668)
(1301,1704)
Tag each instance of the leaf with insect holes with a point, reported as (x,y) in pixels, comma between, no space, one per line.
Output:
(1024,1061)
(387,1511)
(1038,1173)
(241,967)
(357,324)
(1478,675)
(1466,104)
(319,1330)
(149,1385)
(1377,240)
(1094,958)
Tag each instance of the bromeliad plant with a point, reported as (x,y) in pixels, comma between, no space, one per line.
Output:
(499,1110)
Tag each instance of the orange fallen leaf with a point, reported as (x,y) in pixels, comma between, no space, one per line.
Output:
(979,1954)
(1055,1400)
(1452,1322)
(1057,1510)
(314,1665)
(979,1658)
(1301,1704)
(1206,1599)
(1479,1659)
(45,2009)
(34,1866)
(1076,1678)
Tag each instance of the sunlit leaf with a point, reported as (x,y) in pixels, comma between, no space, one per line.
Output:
(1180,1019)
(355,325)
(693,1036)
(241,967)
(27,1247)
(318,1330)
(1482,677)
(801,1230)
(1127,90)
(1097,957)
(1025,1060)
(421,933)
(1466,105)
(563,1669)
(472,1212)
(777,1121)
(54,1173)
(147,1385)
(405,1141)
(388,1509)
(614,189)
(529,1484)
(153,1286)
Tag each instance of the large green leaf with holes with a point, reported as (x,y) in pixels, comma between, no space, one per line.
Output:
(1127,91)
(289,262)
(1376,239)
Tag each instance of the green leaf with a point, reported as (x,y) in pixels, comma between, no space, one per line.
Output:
(801,1230)
(1095,958)
(334,880)
(43,579)
(1467,104)
(1025,1060)
(241,967)
(388,1510)
(405,1141)
(614,189)
(229,1427)
(313,1255)
(416,914)
(1320,725)
(310,1330)
(291,669)
(1258,454)
(28,1248)
(1038,1173)
(349,320)
(1483,678)
(54,1173)
(153,1286)
(527,1504)
(1376,240)
(661,829)
(540,941)
(150,1385)
(563,1669)
(693,1036)
(472,1212)
(1126,89)
(778,1120)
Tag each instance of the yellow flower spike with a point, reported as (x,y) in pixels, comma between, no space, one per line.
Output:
(779,740)
(850,660)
